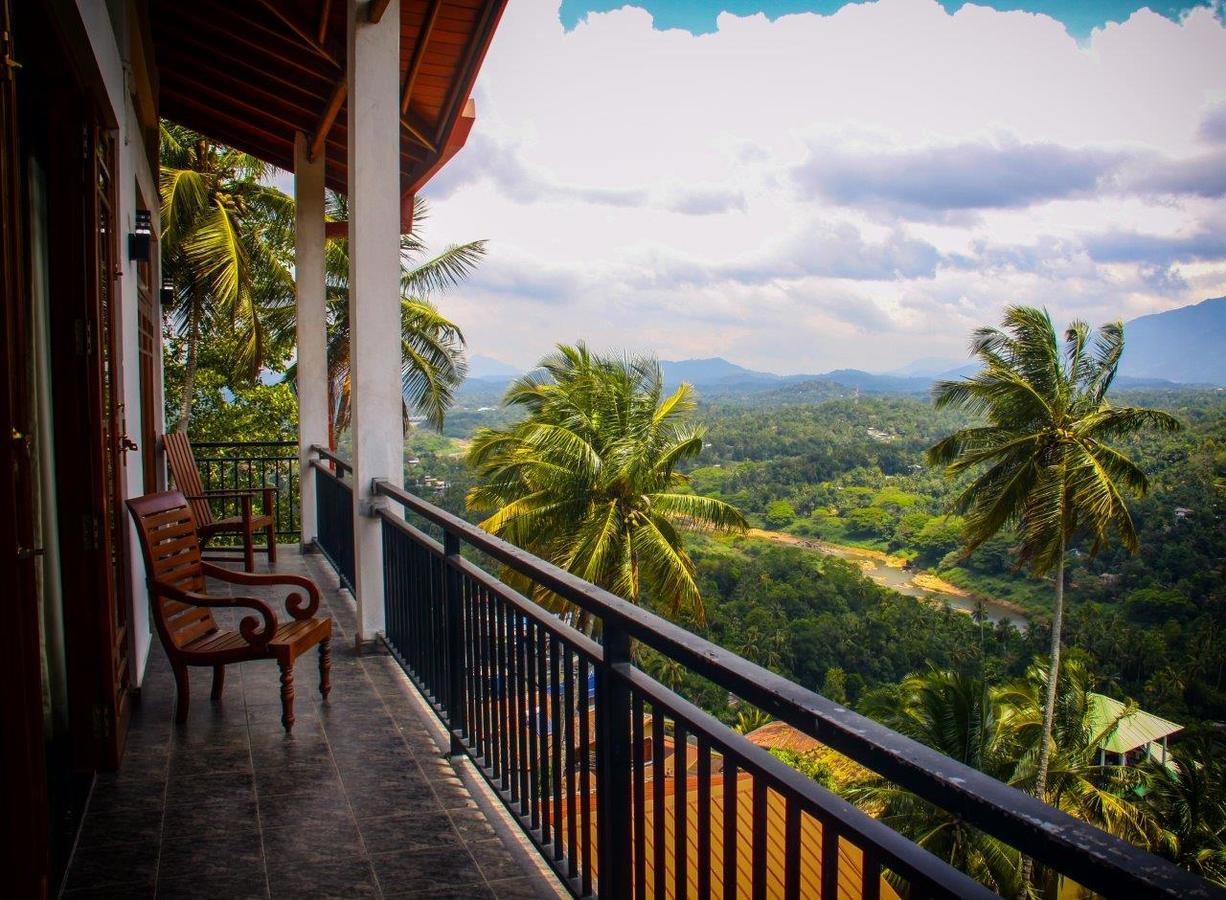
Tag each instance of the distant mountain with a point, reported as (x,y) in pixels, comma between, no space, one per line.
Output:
(486,368)
(1186,345)
(928,365)
(713,371)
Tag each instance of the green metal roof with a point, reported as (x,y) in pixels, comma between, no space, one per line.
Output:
(1134,730)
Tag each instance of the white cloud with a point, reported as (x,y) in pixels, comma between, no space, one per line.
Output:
(824,191)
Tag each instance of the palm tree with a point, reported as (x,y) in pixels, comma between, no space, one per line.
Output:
(1189,795)
(226,241)
(1043,464)
(962,718)
(588,480)
(433,363)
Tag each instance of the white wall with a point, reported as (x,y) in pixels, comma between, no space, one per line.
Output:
(108,31)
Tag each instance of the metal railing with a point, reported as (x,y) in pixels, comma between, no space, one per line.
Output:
(241,465)
(334,512)
(585,749)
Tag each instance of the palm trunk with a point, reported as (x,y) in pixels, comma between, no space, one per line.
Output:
(1049,707)
(189,376)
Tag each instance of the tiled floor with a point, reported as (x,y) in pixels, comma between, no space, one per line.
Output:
(358,802)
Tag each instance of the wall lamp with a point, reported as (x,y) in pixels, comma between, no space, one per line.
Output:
(168,292)
(140,242)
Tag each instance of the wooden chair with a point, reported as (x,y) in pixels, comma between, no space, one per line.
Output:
(186,475)
(182,608)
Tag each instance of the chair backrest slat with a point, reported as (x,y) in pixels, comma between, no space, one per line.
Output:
(186,474)
(168,542)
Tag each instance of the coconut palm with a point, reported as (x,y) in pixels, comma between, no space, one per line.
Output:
(1044,464)
(433,363)
(1189,796)
(588,480)
(227,239)
(962,718)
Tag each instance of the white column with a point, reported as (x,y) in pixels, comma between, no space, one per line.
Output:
(312,324)
(374,288)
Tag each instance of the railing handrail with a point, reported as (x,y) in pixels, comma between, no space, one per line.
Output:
(1088,855)
(211,444)
(327,454)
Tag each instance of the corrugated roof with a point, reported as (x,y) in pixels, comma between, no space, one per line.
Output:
(1136,729)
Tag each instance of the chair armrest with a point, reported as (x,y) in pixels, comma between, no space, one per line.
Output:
(297,606)
(228,492)
(248,626)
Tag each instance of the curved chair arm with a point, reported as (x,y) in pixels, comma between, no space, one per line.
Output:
(235,492)
(248,626)
(297,606)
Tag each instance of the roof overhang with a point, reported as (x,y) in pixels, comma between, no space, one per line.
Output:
(252,73)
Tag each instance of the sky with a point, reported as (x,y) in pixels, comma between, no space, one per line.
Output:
(803,185)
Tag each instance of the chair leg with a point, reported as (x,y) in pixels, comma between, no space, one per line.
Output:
(325,667)
(219,682)
(271,532)
(183,693)
(248,548)
(287,693)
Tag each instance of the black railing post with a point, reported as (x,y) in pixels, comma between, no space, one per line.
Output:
(613,794)
(455,641)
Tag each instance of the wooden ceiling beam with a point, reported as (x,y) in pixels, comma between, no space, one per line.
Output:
(325,13)
(252,90)
(257,50)
(377,9)
(329,117)
(196,50)
(302,34)
(419,54)
(236,136)
(417,131)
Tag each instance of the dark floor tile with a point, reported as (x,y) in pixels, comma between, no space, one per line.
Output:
(316,777)
(465,892)
(521,889)
(232,884)
(211,855)
(121,822)
(349,878)
(332,839)
(184,822)
(198,760)
(420,829)
(278,810)
(113,892)
(497,863)
(472,824)
(209,788)
(103,865)
(423,870)
(390,799)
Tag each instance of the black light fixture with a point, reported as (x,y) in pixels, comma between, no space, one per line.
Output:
(141,240)
(168,292)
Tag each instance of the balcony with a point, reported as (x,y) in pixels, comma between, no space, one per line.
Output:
(483,747)
(359,801)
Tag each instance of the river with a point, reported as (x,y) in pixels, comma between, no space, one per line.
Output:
(876,566)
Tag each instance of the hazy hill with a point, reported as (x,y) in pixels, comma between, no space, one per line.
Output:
(1186,345)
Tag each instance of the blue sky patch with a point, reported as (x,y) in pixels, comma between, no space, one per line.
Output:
(1080,17)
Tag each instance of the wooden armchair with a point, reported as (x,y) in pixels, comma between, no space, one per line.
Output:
(186,475)
(182,608)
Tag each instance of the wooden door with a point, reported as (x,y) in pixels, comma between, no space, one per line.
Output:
(25,850)
(149,360)
(112,430)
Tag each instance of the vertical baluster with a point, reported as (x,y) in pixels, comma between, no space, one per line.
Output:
(555,741)
(470,670)
(702,824)
(681,809)
(613,764)
(532,724)
(658,783)
(730,828)
(872,874)
(760,839)
(637,755)
(585,778)
(572,711)
(830,859)
(544,730)
(504,697)
(523,713)
(791,850)
(455,632)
